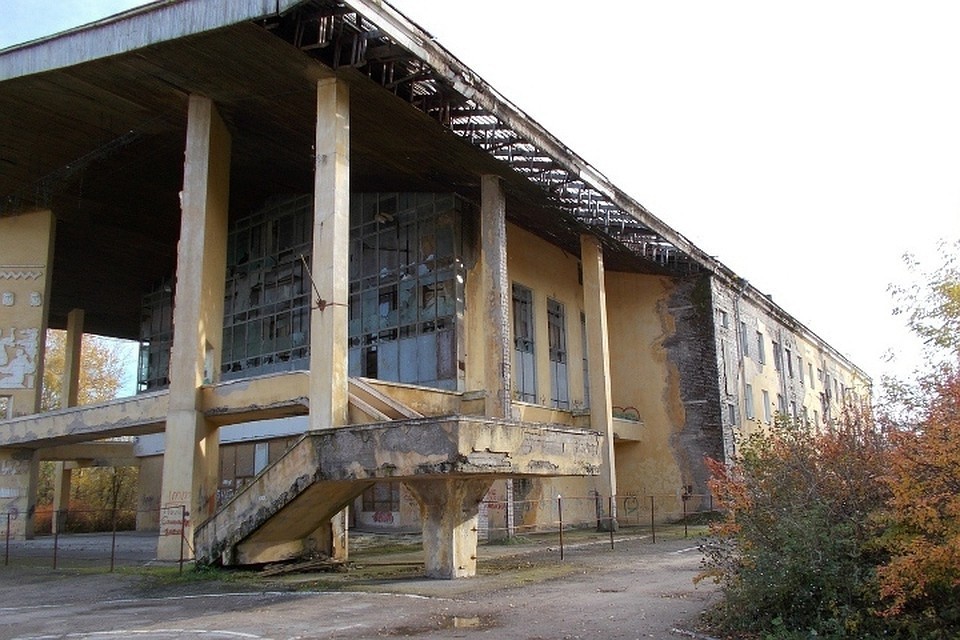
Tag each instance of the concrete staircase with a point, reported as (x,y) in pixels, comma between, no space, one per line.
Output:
(282,513)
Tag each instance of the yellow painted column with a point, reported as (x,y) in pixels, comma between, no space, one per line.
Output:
(331,242)
(330,268)
(598,348)
(488,294)
(26,258)
(191,452)
(69,393)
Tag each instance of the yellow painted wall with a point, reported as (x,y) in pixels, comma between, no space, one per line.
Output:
(642,377)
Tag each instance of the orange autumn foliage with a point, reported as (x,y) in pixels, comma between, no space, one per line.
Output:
(924,534)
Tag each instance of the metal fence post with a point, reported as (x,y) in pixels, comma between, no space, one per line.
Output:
(56,535)
(113,541)
(183,532)
(611,507)
(653,526)
(560,515)
(684,500)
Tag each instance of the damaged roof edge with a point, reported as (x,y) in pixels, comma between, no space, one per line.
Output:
(143,26)
(419,42)
(425,46)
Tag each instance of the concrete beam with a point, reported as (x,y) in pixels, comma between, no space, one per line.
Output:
(138,415)
(103,453)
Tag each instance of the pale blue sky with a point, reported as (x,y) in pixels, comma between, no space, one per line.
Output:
(806,145)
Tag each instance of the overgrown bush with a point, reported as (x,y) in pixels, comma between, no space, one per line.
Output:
(795,556)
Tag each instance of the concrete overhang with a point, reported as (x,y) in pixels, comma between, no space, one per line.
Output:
(138,415)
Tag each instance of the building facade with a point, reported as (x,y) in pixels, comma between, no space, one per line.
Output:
(359,276)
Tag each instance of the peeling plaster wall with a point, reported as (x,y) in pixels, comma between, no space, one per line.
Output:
(662,363)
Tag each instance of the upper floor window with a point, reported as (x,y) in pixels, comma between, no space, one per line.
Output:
(789,360)
(777,357)
(557,338)
(748,401)
(524,360)
(744,340)
(761,352)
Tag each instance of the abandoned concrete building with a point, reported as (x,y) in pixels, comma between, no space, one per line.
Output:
(359,277)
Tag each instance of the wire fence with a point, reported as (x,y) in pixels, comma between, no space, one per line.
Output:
(63,538)
(91,537)
(505,519)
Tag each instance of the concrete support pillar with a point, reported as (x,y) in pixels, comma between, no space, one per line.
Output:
(70,387)
(69,393)
(449,511)
(488,295)
(191,457)
(331,244)
(26,257)
(598,348)
(62,477)
(330,268)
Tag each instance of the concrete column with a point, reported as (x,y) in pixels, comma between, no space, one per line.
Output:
(488,297)
(26,257)
(191,456)
(62,477)
(598,348)
(449,511)
(331,247)
(69,393)
(70,387)
(331,243)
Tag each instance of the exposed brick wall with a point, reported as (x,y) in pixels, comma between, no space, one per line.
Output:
(692,349)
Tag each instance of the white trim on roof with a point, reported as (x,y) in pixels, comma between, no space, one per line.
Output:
(140,27)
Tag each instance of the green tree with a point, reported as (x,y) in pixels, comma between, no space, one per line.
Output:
(95,491)
(101,370)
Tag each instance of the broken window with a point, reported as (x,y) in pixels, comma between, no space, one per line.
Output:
(156,337)
(744,340)
(761,352)
(6,407)
(557,338)
(524,361)
(406,287)
(267,295)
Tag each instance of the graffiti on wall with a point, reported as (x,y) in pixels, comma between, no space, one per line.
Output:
(18,358)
